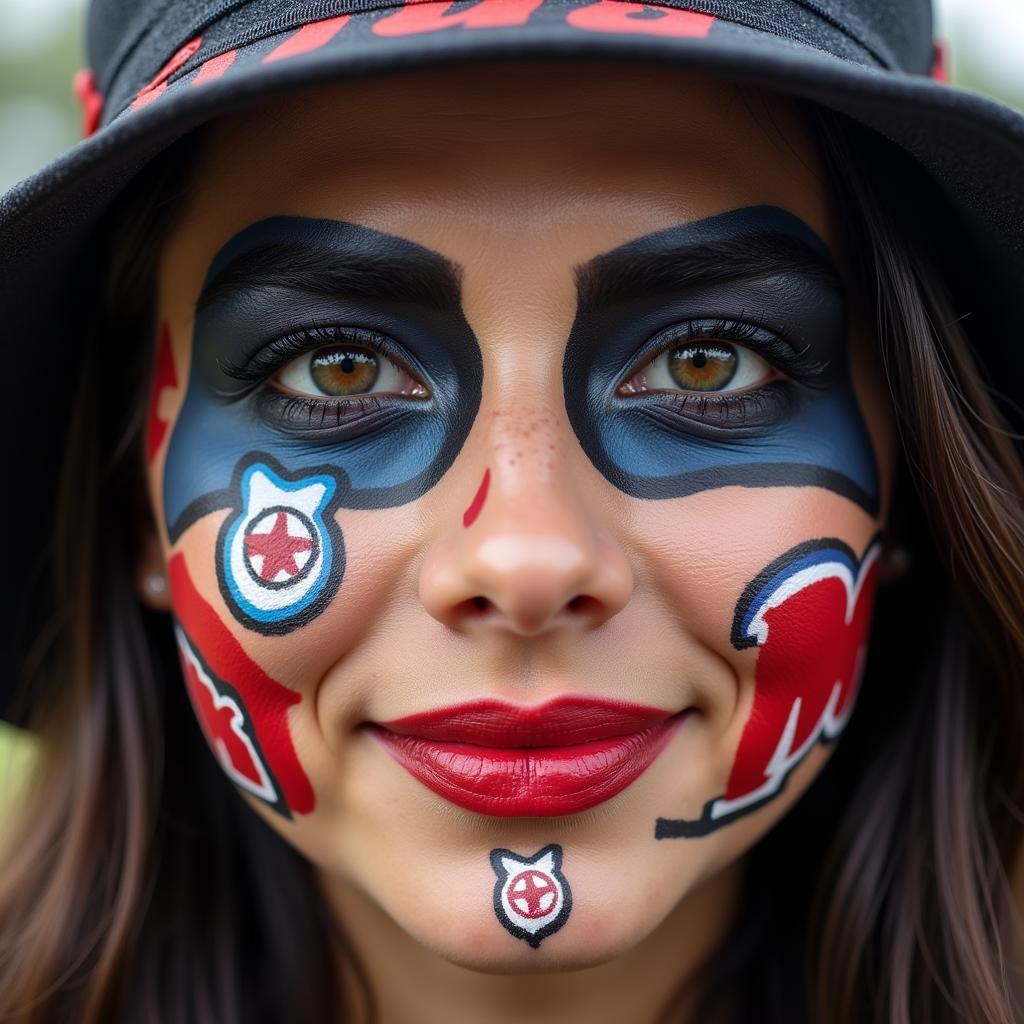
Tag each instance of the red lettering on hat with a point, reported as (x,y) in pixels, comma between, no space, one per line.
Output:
(429,16)
(214,67)
(90,100)
(622,16)
(264,699)
(164,377)
(308,38)
(158,86)
(940,60)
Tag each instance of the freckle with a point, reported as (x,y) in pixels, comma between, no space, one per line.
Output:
(477,503)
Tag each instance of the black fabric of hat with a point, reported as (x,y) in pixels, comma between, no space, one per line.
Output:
(160,68)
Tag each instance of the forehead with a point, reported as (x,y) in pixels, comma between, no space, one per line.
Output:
(551,161)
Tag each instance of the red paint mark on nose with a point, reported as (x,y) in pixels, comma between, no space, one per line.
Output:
(164,377)
(469,516)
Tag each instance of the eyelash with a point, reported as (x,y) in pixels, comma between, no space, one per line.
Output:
(349,416)
(360,413)
(270,359)
(752,407)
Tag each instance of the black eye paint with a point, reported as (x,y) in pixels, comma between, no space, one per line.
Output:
(287,275)
(758,267)
(283,464)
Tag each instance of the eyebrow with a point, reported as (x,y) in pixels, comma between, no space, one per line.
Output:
(667,261)
(426,280)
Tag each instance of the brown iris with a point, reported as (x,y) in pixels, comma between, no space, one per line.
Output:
(703,367)
(344,371)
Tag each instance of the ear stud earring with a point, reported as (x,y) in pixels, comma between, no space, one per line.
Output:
(896,562)
(155,584)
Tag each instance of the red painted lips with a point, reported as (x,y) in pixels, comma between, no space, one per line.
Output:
(501,759)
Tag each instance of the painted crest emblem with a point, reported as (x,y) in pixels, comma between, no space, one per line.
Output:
(809,614)
(532,898)
(279,559)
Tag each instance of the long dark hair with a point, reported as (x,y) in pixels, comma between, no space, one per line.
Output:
(138,885)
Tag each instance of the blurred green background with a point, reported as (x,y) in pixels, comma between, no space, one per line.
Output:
(41,46)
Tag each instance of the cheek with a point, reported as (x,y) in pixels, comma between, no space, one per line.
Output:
(779,584)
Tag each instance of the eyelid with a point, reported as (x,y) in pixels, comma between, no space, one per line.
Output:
(272,357)
(769,346)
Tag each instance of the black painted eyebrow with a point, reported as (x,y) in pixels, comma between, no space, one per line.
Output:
(430,281)
(661,262)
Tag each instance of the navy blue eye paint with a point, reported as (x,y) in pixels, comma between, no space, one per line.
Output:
(768,271)
(279,557)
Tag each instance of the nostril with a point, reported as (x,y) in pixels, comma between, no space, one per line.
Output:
(472,608)
(584,603)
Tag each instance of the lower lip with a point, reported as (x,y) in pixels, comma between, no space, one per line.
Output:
(535,782)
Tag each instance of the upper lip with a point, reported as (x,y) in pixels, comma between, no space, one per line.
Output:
(564,721)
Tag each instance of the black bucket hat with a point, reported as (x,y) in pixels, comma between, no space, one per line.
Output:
(162,67)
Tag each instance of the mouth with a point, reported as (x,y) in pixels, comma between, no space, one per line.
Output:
(506,760)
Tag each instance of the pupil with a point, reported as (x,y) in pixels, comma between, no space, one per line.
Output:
(340,372)
(703,368)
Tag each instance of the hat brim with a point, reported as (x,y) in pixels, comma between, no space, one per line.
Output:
(970,146)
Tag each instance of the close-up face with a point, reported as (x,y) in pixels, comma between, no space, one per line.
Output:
(519,466)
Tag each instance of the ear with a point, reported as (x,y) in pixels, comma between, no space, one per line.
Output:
(151,571)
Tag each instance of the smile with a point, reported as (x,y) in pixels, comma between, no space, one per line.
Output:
(502,759)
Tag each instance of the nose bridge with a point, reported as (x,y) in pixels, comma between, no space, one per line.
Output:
(529,553)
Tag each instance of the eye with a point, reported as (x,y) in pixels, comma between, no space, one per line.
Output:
(343,371)
(701,367)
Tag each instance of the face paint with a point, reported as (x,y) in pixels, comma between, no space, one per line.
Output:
(532,898)
(164,377)
(809,613)
(469,516)
(760,277)
(281,559)
(242,711)
(281,288)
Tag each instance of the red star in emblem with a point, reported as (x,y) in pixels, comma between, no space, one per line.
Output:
(278,549)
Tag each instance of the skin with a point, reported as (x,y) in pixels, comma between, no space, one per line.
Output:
(519,174)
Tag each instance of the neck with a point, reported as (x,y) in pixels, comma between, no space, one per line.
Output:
(408,981)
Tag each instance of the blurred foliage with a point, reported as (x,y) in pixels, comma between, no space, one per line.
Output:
(17,750)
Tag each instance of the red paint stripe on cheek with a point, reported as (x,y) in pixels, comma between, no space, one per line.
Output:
(164,377)
(308,38)
(266,701)
(469,516)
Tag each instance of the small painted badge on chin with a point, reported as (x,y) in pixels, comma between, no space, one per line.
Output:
(532,898)
(280,560)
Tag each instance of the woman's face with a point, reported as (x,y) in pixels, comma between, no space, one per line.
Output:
(520,471)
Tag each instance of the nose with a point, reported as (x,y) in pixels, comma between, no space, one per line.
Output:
(529,554)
